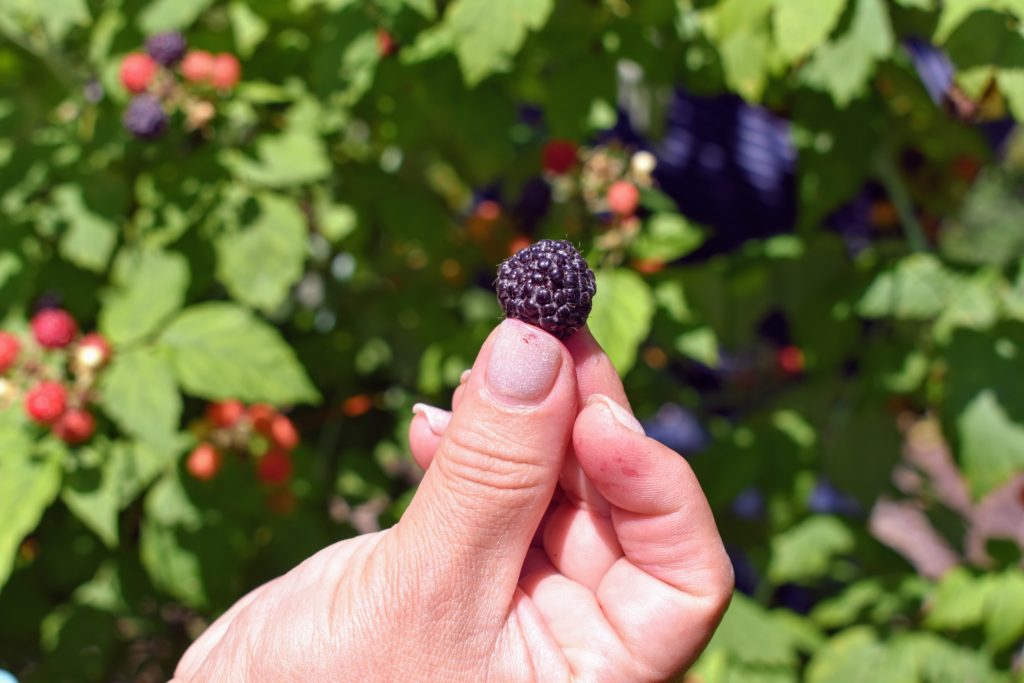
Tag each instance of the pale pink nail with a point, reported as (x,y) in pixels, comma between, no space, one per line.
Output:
(437,419)
(523,365)
(619,414)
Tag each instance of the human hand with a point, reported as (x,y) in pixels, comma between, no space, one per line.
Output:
(546,542)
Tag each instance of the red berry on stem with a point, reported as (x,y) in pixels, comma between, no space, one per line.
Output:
(275,467)
(197,67)
(54,328)
(385,43)
(10,347)
(204,462)
(623,198)
(261,415)
(225,71)
(224,413)
(560,156)
(790,360)
(94,351)
(46,401)
(75,426)
(283,433)
(137,72)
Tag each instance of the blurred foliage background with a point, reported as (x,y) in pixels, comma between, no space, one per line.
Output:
(819,300)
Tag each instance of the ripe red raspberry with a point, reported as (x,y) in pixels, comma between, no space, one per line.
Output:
(224,413)
(10,347)
(261,415)
(283,433)
(75,426)
(197,67)
(54,328)
(137,72)
(46,402)
(94,351)
(385,43)
(623,198)
(560,156)
(275,467)
(225,71)
(204,462)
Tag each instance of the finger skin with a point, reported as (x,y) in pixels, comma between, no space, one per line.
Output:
(667,593)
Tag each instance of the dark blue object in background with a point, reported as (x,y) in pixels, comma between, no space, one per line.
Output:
(678,428)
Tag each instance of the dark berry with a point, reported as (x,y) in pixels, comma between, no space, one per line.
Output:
(549,285)
(145,118)
(167,48)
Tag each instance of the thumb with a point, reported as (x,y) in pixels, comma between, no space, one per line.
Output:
(497,464)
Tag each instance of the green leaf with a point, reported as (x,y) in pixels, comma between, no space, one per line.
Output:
(843,67)
(802,25)
(666,237)
(955,12)
(846,608)
(89,238)
(166,15)
(91,491)
(621,317)
(425,7)
(959,601)
(752,634)
(28,484)
(1004,611)
(259,264)
(992,442)
(856,656)
(700,344)
(286,160)
(918,288)
(488,33)
(250,28)
(222,351)
(805,552)
(139,392)
(149,287)
(60,16)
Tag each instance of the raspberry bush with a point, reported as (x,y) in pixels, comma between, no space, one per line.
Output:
(241,240)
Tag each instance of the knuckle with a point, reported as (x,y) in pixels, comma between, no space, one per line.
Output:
(489,460)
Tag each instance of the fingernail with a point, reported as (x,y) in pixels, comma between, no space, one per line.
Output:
(437,419)
(619,414)
(465,376)
(523,365)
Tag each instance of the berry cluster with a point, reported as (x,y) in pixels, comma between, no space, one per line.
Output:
(37,369)
(258,431)
(608,177)
(153,78)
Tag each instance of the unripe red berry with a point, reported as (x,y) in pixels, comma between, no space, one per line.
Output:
(75,426)
(94,351)
(204,462)
(623,198)
(275,467)
(790,360)
(197,67)
(261,415)
(54,328)
(46,401)
(283,433)
(224,413)
(559,156)
(385,43)
(137,72)
(10,347)
(225,71)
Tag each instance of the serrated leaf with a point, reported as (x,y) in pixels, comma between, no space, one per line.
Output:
(666,237)
(139,392)
(91,493)
(751,634)
(286,160)
(802,25)
(992,442)
(740,28)
(149,287)
(250,28)
(488,33)
(220,351)
(918,288)
(1004,611)
(846,608)
(958,602)
(166,15)
(856,656)
(621,316)
(259,264)
(805,552)
(843,67)
(28,484)
(89,238)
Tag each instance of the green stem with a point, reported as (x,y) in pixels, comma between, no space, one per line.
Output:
(900,196)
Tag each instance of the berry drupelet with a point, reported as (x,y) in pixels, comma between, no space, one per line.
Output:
(547,284)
